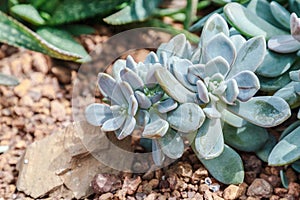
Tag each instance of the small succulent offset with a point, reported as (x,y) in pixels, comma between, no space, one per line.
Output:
(205,94)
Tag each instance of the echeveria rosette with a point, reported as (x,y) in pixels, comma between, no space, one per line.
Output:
(221,82)
(149,109)
(120,115)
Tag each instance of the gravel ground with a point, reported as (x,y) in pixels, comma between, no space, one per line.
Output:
(40,106)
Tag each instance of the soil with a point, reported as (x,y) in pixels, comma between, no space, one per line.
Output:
(40,106)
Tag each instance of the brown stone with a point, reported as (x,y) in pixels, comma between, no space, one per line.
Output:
(103,183)
(260,188)
(63,158)
(106,196)
(58,111)
(294,189)
(233,192)
(22,89)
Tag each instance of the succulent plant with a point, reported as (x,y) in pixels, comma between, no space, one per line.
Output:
(279,72)
(273,21)
(198,93)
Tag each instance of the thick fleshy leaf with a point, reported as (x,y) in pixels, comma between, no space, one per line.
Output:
(187,118)
(150,79)
(8,80)
(195,72)
(143,100)
(166,105)
(175,47)
(156,129)
(263,10)
(213,26)
(247,83)
(287,150)
(275,64)
(227,167)
(157,154)
(126,90)
(132,78)
(114,123)
(96,114)
(264,111)
(249,57)
(231,92)
(142,118)
(289,95)
(264,152)
(130,63)
(173,87)
(138,10)
(232,119)
(295,26)
(295,75)
(127,128)
(172,144)
(180,69)
(106,84)
(247,138)
(151,58)
(62,40)
(209,141)
(248,23)
(211,112)
(202,91)
(212,49)
(217,65)
(273,84)
(133,106)
(280,14)
(238,41)
(117,67)
(28,13)
(296,166)
(75,10)
(289,129)
(283,44)
(16,34)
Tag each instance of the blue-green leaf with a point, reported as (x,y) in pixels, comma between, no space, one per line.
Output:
(264,152)
(209,141)
(264,111)
(139,10)
(226,168)
(246,138)
(248,23)
(287,150)
(275,64)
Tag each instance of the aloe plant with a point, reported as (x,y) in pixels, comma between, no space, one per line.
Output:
(198,93)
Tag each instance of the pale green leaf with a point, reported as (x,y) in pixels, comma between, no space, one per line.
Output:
(139,10)
(264,111)
(248,23)
(246,138)
(287,150)
(226,168)
(28,13)
(188,117)
(209,141)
